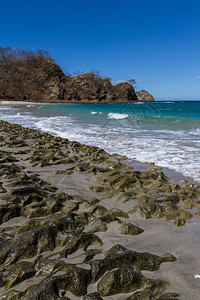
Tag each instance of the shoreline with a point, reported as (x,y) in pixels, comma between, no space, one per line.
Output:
(5,102)
(53,102)
(176,175)
(92,213)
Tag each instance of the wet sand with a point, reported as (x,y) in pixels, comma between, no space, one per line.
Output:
(76,220)
(5,102)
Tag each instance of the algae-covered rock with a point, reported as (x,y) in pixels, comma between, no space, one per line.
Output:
(116,212)
(90,254)
(98,226)
(142,295)
(45,290)
(8,212)
(118,256)
(12,295)
(130,229)
(122,280)
(74,280)
(80,240)
(179,222)
(18,273)
(98,189)
(128,279)
(156,286)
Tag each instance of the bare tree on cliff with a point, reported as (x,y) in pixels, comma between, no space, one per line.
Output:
(20,72)
(132,82)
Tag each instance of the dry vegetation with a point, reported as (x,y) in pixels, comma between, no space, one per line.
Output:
(25,74)
(35,76)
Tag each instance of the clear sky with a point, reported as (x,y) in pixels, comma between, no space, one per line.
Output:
(155,41)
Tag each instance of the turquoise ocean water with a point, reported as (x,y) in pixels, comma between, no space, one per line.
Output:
(164,132)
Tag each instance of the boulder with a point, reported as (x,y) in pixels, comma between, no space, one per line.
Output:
(144,96)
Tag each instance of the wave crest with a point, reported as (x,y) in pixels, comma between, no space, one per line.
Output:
(117,116)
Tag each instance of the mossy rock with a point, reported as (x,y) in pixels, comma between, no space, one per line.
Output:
(18,273)
(142,295)
(98,226)
(179,222)
(93,296)
(118,256)
(12,295)
(130,229)
(122,280)
(80,240)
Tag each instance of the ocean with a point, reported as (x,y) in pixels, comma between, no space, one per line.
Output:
(166,133)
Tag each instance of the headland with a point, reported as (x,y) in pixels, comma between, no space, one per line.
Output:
(35,77)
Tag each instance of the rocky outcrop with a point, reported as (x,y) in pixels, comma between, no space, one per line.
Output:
(34,76)
(88,87)
(144,96)
(123,91)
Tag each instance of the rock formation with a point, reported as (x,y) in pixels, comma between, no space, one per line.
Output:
(144,96)
(34,76)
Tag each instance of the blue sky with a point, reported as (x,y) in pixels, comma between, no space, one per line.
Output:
(157,42)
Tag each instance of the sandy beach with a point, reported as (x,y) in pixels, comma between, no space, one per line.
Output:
(5,102)
(79,223)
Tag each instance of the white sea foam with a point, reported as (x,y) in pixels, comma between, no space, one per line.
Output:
(195,132)
(117,116)
(166,153)
(54,125)
(175,149)
(2,107)
(94,112)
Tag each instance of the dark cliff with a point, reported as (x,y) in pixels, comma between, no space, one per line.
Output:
(34,76)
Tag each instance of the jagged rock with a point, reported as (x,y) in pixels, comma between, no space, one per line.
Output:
(179,222)
(142,295)
(45,290)
(123,91)
(98,225)
(122,280)
(8,212)
(83,240)
(75,280)
(119,256)
(90,254)
(144,96)
(127,228)
(18,273)
(128,279)
(12,295)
